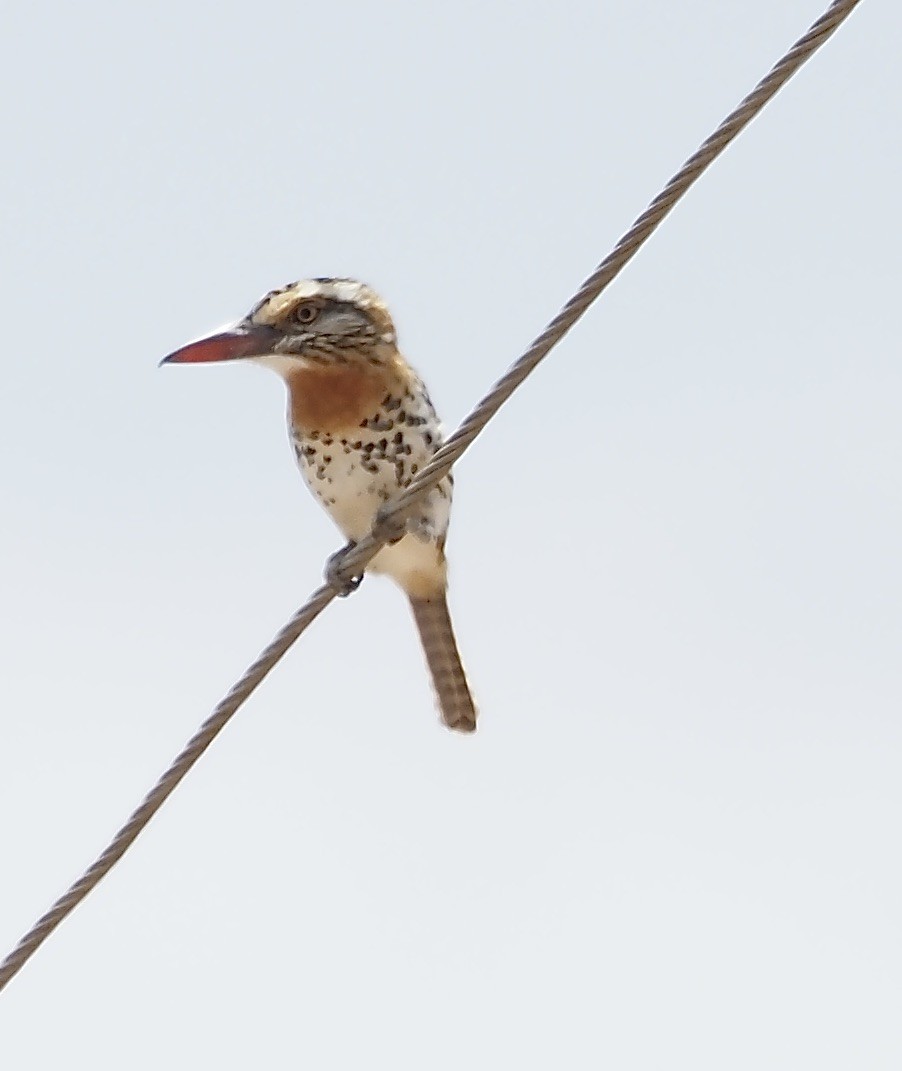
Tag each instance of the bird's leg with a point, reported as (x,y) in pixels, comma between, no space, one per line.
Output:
(335,575)
(388,528)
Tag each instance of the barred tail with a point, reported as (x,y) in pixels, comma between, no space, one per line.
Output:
(448,677)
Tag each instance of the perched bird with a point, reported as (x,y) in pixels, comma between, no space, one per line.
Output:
(362,425)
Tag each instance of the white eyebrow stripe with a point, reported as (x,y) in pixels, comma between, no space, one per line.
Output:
(278,304)
(307,288)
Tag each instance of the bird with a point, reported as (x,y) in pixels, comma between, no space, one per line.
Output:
(361,425)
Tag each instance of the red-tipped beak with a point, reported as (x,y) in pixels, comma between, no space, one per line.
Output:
(242,340)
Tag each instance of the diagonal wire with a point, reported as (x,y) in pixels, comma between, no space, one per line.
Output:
(355,558)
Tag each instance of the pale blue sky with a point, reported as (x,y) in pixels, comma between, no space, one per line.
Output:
(676,570)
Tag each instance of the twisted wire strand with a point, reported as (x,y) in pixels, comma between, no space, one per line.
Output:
(355,558)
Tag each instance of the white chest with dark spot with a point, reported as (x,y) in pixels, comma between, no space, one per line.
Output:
(354,473)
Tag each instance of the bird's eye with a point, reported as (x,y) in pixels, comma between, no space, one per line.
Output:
(306,312)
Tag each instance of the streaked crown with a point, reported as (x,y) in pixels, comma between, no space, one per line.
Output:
(342,307)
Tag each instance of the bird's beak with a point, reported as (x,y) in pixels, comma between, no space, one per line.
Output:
(241,340)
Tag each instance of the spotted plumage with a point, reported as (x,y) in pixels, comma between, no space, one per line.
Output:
(362,425)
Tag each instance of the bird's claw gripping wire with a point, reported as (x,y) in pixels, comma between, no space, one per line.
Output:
(336,576)
(386,529)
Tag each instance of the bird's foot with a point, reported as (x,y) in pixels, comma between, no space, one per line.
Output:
(388,529)
(337,576)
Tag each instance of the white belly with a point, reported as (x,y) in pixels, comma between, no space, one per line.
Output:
(353,485)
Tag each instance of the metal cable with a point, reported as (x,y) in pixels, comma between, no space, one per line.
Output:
(355,558)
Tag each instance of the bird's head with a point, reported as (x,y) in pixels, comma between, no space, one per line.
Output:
(314,322)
